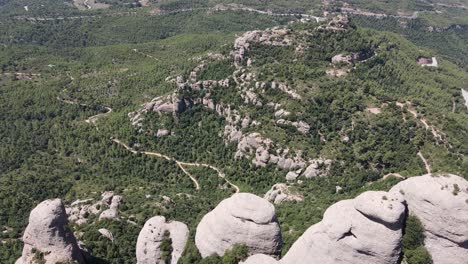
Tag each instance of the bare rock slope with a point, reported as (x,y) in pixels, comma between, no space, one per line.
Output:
(441,203)
(367,229)
(152,235)
(47,238)
(241,219)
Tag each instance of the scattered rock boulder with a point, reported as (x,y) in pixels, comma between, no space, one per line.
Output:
(47,239)
(106,233)
(367,229)
(440,202)
(241,219)
(154,232)
(162,132)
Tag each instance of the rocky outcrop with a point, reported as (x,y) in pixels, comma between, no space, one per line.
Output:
(281,192)
(168,104)
(465,96)
(155,231)
(114,202)
(241,219)
(263,152)
(337,23)
(48,239)
(352,58)
(107,208)
(274,37)
(301,126)
(441,203)
(340,58)
(367,229)
(317,168)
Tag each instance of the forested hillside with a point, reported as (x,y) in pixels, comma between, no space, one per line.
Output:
(160,105)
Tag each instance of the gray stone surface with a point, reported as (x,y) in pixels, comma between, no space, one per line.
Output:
(241,219)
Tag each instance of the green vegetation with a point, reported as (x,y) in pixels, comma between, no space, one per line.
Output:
(111,58)
(413,242)
(166,248)
(233,256)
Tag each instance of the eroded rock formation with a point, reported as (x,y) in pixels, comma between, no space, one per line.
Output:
(441,203)
(241,219)
(48,239)
(367,229)
(154,232)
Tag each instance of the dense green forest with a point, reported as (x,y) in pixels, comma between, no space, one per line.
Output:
(55,74)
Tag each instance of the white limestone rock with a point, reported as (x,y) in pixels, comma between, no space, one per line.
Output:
(106,233)
(291,176)
(109,214)
(162,132)
(152,235)
(440,202)
(241,219)
(366,230)
(48,234)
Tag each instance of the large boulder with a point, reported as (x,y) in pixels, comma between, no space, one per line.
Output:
(48,239)
(365,230)
(241,219)
(441,203)
(156,229)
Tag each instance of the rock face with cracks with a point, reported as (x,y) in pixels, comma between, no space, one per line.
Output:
(47,239)
(441,203)
(367,229)
(149,241)
(241,219)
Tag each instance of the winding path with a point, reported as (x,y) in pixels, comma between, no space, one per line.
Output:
(426,164)
(93,119)
(181,164)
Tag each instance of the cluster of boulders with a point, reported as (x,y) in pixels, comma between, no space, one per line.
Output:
(249,90)
(337,23)
(352,57)
(282,192)
(107,208)
(366,230)
(275,36)
(263,86)
(114,202)
(263,151)
(301,126)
